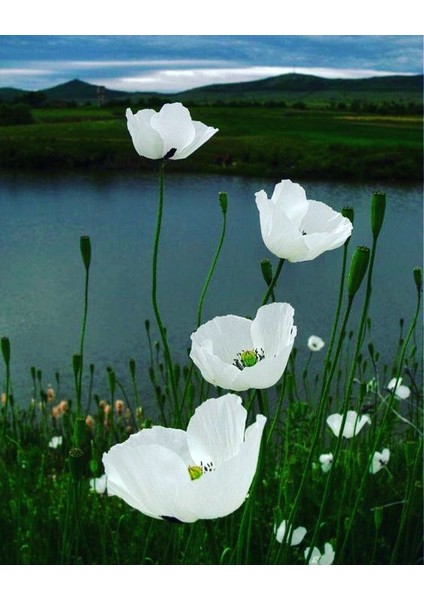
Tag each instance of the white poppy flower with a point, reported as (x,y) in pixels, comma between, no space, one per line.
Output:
(379,460)
(99,484)
(315,343)
(56,441)
(298,229)
(402,392)
(321,559)
(169,133)
(202,473)
(326,461)
(236,353)
(353,424)
(293,538)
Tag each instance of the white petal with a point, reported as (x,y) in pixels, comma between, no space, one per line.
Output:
(216,430)
(291,199)
(334,422)
(328,556)
(202,134)
(272,328)
(264,374)
(146,140)
(149,478)
(221,492)
(281,236)
(229,334)
(175,127)
(315,556)
(401,391)
(315,343)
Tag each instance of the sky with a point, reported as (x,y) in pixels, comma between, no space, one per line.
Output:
(173,63)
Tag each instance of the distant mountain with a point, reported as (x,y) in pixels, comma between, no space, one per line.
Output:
(309,87)
(291,87)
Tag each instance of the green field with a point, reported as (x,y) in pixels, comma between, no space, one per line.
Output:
(253,140)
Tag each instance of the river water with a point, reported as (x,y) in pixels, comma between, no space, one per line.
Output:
(42,276)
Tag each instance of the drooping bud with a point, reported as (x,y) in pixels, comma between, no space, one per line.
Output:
(223,201)
(378,208)
(358,268)
(5,349)
(112,381)
(85,247)
(132,367)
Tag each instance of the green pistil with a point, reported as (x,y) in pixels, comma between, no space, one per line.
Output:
(248,358)
(195,472)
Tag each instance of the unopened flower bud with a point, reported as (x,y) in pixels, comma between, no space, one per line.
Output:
(223,201)
(5,349)
(119,407)
(85,247)
(76,364)
(358,268)
(418,278)
(378,208)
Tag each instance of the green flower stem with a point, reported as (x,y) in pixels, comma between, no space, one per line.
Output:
(337,313)
(212,267)
(216,555)
(273,282)
(159,322)
(82,339)
(381,430)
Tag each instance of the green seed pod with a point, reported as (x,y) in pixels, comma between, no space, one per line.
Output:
(223,201)
(112,381)
(266,268)
(85,247)
(358,268)
(79,431)
(5,349)
(378,208)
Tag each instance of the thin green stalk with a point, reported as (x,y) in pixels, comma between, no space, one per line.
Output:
(156,310)
(214,262)
(273,282)
(338,309)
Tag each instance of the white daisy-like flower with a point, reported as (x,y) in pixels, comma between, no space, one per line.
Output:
(294,537)
(202,473)
(326,461)
(298,229)
(56,441)
(321,559)
(402,392)
(315,343)
(170,133)
(353,423)
(236,353)
(379,460)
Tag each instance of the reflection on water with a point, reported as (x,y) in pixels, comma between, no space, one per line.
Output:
(42,276)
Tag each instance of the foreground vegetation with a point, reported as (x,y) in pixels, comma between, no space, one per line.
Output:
(253,141)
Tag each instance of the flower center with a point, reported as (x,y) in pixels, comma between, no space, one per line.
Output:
(248,358)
